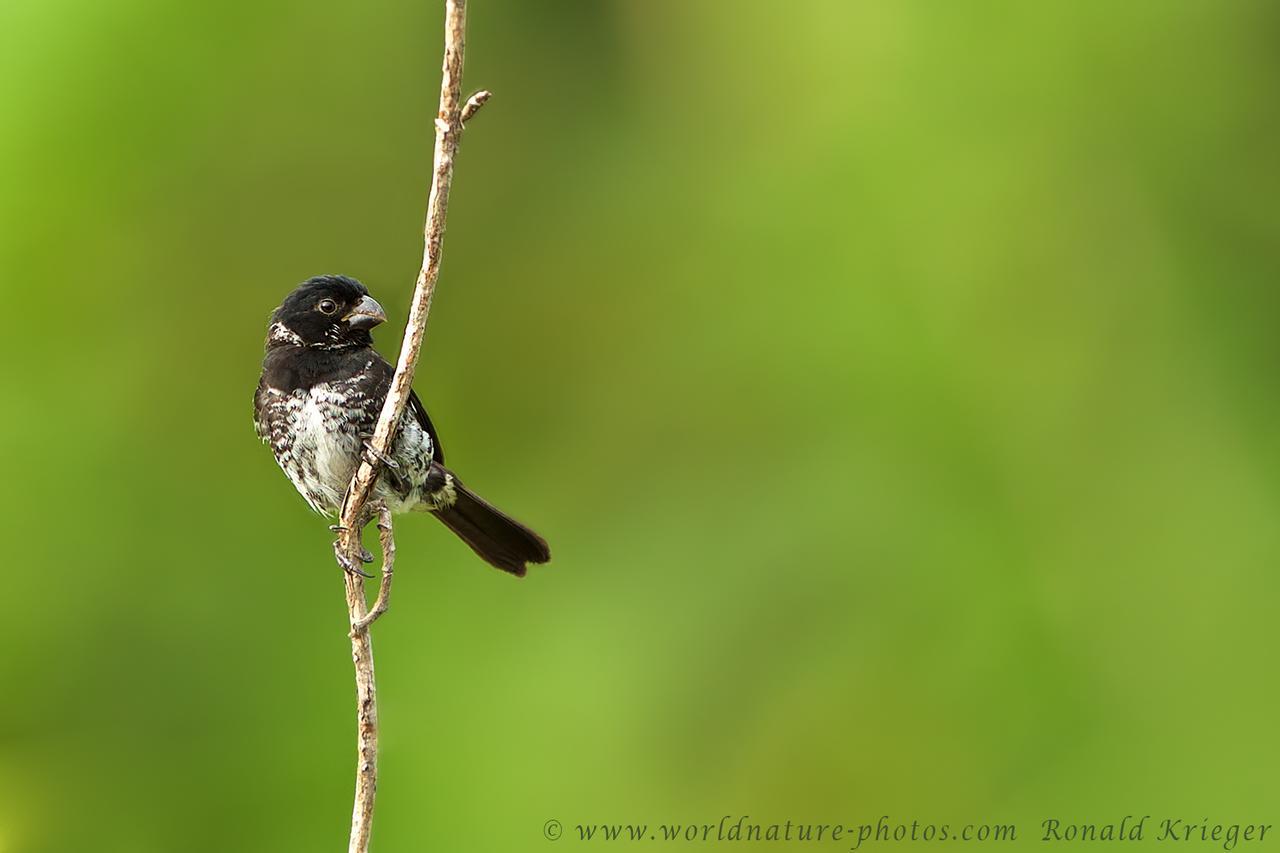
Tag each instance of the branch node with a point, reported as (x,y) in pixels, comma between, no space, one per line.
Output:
(473,105)
(386,539)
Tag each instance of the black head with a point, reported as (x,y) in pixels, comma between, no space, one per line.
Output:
(326,312)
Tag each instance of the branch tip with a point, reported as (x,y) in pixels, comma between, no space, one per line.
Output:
(473,105)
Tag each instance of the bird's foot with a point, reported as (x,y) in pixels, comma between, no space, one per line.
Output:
(347,564)
(365,556)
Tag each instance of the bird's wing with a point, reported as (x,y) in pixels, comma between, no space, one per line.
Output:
(416,408)
(420,412)
(260,425)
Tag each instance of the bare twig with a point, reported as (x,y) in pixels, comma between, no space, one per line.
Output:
(387,542)
(449,121)
(366,720)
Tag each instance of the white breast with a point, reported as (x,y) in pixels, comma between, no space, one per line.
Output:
(316,443)
(323,423)
(317,438)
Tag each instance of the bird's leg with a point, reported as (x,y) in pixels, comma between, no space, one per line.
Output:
(372,454)
(391,468)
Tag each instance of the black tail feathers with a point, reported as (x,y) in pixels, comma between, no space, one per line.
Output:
(498,538)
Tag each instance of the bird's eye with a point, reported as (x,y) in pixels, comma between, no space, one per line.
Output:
(328,306)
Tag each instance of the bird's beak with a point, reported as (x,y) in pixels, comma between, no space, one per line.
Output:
(367,314)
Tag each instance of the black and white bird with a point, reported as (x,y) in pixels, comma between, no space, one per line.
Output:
(317,403)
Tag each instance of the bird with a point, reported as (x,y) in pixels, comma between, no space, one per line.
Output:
(317,403)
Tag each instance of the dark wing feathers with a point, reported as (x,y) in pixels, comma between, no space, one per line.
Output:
(418,410)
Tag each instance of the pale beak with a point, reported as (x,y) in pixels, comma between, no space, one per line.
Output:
(367,314)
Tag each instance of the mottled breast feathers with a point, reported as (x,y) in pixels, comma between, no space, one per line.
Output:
(316,407)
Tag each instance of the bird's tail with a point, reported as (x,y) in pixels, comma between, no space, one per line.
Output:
(498,538)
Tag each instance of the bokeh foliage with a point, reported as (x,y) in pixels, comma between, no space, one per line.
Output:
(895,382)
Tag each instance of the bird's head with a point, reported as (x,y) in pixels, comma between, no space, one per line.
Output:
(326,312)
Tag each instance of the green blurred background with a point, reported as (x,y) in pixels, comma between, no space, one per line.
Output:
(895,382)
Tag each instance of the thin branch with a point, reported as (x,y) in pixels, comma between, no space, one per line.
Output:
(387,543)
(448,132)
(449,121)
(366,720)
